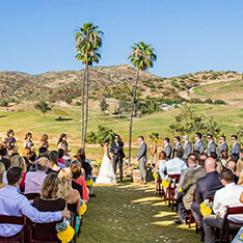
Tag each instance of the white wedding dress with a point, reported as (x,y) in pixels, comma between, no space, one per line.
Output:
(106,173)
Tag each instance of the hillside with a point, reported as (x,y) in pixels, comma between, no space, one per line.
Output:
(104,81)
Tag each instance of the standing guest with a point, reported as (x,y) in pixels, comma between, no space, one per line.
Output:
(206,188)
(2,175)
(12,203)
(70,195)
(178,146)
(198,146)
(223,147)
(61,161)
(212,147)
(28,141)
(229,195)
(235,146)
(3,158)
(44,141)
(10,140)
(142,158)
(167,148)
(173,166)
(187,147)
(62,143)
(26,155)
(118,154)
(34,179)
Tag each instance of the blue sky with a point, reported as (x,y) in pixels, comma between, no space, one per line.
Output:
(188,35)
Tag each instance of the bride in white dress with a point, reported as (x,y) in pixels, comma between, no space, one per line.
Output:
(106,173)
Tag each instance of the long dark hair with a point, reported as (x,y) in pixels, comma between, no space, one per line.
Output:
(63,135)
(81,155)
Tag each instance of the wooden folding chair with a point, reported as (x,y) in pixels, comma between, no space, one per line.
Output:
(18,220)
(171,190)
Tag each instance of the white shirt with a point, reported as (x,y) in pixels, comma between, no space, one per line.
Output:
(172,167)
(228,196)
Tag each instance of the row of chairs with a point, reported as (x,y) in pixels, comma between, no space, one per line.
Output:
(223,236)
(32,232)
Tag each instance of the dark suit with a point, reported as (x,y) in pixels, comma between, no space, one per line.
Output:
(223,147)
(187,150)
(142,158)
(206,188)
(235,149)
(118,154)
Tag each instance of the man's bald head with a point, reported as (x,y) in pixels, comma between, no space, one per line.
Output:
(210,165)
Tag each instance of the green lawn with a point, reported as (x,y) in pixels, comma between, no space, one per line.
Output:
(131,213)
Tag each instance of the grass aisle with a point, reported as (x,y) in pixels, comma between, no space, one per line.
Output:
(131,213)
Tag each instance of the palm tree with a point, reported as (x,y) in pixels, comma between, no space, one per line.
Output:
(88,42)
(142,58)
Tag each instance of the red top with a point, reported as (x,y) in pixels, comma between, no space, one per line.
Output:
(85,194)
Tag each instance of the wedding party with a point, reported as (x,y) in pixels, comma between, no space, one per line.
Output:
(121,121)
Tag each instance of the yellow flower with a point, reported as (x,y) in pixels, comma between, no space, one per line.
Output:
(155,175)
(82,209)
(205,209)
(165,184)
(180,190)
(89,182)
(66,235)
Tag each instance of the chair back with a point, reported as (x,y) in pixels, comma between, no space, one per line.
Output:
(32,196)
(175,177)
(6,219)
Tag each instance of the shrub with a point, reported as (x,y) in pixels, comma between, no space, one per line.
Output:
(3,103)
(208,101)
(196,101)
(219,102)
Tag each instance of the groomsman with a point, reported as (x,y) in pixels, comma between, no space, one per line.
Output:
(212,147)
(235,146)
(223,145)
(167,148)
(198,146)
(187,147)
(142,158)
(177,147)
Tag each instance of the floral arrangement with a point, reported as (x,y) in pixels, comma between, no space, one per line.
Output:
(206,208)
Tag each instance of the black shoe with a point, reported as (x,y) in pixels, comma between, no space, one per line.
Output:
(92,195)
(179,221)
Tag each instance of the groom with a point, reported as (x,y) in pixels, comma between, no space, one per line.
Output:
(118,154)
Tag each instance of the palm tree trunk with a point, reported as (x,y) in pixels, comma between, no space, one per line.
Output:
(82,107)
(131,117)
(87,105)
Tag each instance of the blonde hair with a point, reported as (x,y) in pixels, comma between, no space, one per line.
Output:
(65,176)
(18,161)
(51,187)
(44,138)
(2,170)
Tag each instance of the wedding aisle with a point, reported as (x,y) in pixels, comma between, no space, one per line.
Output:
(131,213)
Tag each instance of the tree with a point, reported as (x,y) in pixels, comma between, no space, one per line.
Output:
(103,105)
(43,107)
(142,58)
(88,42)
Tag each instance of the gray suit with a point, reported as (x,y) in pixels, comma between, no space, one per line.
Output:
(187,150)
(142,158)
(223,147)
(212,148)
(176,148)
(199,146)
(168,151)
(235,149)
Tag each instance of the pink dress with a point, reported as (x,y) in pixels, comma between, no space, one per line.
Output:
(85,194)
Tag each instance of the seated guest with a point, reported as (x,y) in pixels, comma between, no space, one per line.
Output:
(70,195)
(42,150)
(50,199)
(76,173)
(3,158)
(231,165)
(61,161)
(54,167)
(12,203)
(223,157)
(161,162)
(239,166)
(173,166)
(26,155)
(35,178)
(206,188)
(229,195)
(2,174)
(186,178)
